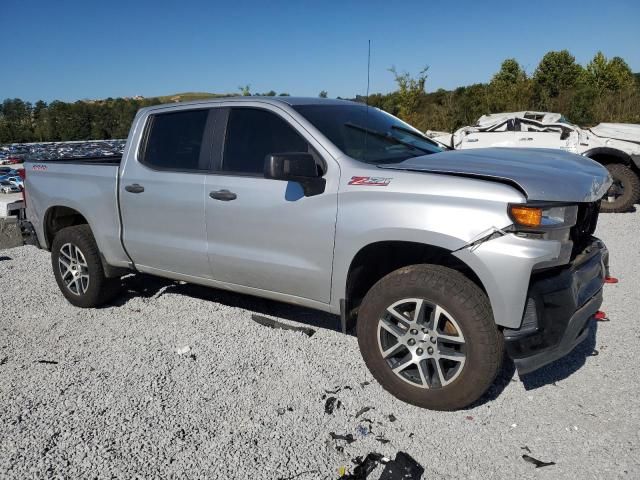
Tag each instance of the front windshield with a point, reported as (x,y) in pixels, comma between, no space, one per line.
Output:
(368,134)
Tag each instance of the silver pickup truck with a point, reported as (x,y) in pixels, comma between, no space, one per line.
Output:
(440,260)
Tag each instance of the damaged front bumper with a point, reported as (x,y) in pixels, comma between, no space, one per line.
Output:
(560,304)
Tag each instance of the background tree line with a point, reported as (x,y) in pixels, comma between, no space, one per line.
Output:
(605,90)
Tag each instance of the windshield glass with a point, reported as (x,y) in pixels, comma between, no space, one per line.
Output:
(367,134)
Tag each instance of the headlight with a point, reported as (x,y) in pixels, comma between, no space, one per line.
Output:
(541,216)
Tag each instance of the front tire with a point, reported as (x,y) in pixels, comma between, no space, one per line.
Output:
(427,335)
(624,192)
(78,269)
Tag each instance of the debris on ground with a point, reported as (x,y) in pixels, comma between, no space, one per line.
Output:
(347,438)
(363,431)
(363,410)
(382,440)
(364,384)
(526,448)
(468,417)
(404,467)
(48,362)
(392,418)
(331,404)
(536,462)
(183,350)
(4,360)
(364,466)
(271,323)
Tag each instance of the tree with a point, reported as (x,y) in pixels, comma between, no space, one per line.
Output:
(322,94)
(612,75)
(509,89)
(557,71)
(410,93)
(245,90)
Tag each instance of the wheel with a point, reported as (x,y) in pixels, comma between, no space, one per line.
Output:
(78,269)
(624,192)
(427,335)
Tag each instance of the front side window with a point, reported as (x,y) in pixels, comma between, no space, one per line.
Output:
(174,140)
(252,134)
(368,134)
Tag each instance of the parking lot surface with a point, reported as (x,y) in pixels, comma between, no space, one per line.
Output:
(178,380)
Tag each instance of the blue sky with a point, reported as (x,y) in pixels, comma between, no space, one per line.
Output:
(71,50)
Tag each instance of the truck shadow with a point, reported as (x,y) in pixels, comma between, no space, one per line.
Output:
(148,286)
(547,375)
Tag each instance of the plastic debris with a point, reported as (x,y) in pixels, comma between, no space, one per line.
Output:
(364,466)
(402,468)
(271,323)
(536,462)
(363,410)
(183,350)
(595,353)
(609,279)
(363,431)
(382,440)
(392,418)
(347,438)
(331,404)
(48,362)
(468,417)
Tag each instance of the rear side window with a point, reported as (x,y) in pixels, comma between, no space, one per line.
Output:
(174,140)
(252,134)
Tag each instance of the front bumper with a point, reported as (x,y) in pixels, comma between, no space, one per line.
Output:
(560,304)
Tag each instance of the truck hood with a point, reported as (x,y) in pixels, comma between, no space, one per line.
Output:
(620,131)
(541,174)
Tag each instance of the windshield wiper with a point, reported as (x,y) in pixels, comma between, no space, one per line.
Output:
(419,136)
(386,136)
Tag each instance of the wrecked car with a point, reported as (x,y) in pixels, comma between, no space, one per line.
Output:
(614,145)
(440,260)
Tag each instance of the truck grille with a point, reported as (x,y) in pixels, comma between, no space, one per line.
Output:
(585,226)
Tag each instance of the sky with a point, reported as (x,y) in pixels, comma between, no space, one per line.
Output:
(88,49)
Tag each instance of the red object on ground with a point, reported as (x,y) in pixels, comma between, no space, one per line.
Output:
(611,280)
(600,316)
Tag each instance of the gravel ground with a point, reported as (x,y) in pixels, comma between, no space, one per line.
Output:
(105,393)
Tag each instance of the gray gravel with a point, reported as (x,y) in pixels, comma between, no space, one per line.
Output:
(246,400)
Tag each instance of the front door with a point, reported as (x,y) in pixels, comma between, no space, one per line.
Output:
(263,233)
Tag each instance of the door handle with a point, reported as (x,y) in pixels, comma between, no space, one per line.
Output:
(135,188)
(224,195)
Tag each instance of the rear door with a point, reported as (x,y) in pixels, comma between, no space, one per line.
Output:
(502,135)
(264,233)
(162,193)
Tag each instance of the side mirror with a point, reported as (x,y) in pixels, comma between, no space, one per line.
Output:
(297,167)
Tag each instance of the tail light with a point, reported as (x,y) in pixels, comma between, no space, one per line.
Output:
(23,175)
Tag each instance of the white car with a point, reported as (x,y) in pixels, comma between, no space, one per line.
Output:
(614,145)
(6,187)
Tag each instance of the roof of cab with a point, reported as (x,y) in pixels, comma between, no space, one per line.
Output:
(291,101)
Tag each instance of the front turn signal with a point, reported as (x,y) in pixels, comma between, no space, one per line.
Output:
(526,216)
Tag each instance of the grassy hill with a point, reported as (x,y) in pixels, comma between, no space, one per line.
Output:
(188,96)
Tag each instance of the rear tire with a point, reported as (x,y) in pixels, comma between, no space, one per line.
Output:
(624,192)
(78,268)
(466,329)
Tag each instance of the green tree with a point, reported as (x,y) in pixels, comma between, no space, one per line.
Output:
(322,94)
(613,75)
(509,89)
(556,72)
(245,90)
(410,93)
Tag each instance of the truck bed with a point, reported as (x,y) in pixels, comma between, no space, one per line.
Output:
(88,185)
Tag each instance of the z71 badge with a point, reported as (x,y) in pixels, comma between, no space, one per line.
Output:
(370,181)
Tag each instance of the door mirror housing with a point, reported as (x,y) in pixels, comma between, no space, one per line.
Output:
(297,167)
